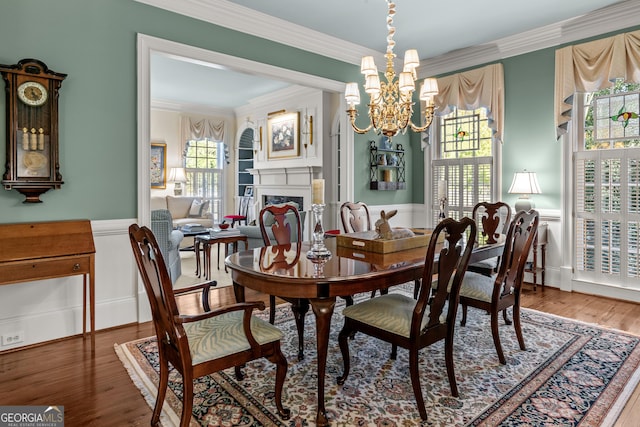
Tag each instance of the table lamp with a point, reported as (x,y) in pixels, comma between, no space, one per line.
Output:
(177,176)
(524,183)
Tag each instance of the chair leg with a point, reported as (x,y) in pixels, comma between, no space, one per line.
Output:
(448,359)
(496,337)
(272,309)
(506,317)
(238,371)
(187,400)
(415,382)
(463,321)
(517,326)
(344,349)
(394,352)
(281,372)
(300,309)
(162,390)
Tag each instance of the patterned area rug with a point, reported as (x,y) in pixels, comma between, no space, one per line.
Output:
(571,374)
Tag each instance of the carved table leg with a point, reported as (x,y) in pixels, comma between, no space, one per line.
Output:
(323,309)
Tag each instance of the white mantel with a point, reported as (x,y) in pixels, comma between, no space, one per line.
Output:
(288,181)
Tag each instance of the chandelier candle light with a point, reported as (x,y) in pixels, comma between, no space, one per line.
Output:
(391,105)
(318,251)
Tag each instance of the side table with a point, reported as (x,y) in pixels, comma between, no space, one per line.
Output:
(206,240)
(540,242)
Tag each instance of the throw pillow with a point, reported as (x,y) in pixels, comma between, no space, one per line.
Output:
(196,208)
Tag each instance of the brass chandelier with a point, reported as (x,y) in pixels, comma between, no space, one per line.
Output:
(391,105)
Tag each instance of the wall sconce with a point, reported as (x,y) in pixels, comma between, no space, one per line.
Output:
(524,183)
(177,176)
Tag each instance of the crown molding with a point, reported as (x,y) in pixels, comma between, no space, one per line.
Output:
(180,107)
(616,17)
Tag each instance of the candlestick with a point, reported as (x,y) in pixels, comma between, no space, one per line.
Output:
(317,191)
(318,250)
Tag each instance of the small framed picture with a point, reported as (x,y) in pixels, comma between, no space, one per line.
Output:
(158,167)
(283,135)
(248,191)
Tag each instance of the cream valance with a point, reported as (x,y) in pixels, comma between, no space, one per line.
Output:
(482,87)
(201,128)
(593,66)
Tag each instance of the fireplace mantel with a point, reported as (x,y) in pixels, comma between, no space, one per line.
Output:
(288,181)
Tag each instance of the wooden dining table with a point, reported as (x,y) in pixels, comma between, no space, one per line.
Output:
(285,271)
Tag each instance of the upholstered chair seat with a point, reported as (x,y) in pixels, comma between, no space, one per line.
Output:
(221,336)
(478,287)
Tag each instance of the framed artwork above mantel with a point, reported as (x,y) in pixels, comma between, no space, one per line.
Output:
(283,135)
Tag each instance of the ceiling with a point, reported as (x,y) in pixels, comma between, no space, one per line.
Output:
(357,27)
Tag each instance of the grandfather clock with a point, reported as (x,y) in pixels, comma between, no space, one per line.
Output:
(32,166)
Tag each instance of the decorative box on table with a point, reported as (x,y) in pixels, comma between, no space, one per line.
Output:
(367,241)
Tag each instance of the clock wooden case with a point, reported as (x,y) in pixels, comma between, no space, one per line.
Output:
(32,166)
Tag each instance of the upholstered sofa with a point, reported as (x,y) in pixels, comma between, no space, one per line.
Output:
(254,237)
(184,210)
(168,241)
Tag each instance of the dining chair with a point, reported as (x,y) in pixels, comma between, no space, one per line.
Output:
(243,208)
(414,324)
(355,217)
(492,220)
(280,225)
(201,344)
(495,294)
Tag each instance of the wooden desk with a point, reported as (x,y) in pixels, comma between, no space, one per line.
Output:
(287,273)
(539,243)
(47,250)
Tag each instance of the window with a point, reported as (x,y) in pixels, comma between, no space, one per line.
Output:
(607,186)
(464,158)
(204,165)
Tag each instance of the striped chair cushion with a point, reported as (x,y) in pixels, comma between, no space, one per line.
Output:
(489,264)
(477,286)
(391,312)
(223,335)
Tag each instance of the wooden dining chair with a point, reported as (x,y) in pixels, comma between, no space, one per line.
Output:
(355,217)
(492,219)
(495,294)
(414,324)
(243,209)
(280,225)
(201,344)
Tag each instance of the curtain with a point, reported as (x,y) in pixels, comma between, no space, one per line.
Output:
(197,129)
(482,87)
(593,66)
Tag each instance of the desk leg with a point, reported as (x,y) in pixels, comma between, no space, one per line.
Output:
(323,309)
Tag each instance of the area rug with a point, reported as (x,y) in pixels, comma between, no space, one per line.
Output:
(572,374)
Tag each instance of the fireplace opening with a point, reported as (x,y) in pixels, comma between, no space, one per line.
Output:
(276,200)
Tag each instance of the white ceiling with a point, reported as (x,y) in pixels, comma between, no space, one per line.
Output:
(346,30)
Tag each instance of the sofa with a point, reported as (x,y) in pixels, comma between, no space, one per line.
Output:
(254,236)
(168,240)
(184,209)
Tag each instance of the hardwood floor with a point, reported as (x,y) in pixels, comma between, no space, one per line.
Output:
(97,391)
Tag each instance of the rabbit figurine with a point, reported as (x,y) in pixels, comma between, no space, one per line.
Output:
(384,230)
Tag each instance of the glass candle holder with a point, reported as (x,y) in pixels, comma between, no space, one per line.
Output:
(318,249)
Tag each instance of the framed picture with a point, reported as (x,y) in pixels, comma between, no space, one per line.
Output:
(248,191)
(283,135)
(158,167)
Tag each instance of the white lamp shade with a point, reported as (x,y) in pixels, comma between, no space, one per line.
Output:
(368,66)
(525,183)
(352,94)
(372,85)
(429,89)
(405,83)
(411,59)
(177,175)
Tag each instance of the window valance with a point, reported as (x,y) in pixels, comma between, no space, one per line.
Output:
(482,87)
(202,128)
(593,66)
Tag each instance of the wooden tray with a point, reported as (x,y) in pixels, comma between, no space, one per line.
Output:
(366,241)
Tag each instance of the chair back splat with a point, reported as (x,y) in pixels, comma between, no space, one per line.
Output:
(355,217)
(493,221)
(415,324)
(203,343)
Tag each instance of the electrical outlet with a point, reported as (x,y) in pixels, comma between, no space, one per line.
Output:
(13,338)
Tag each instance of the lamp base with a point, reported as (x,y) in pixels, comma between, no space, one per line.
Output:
(524,204)
(177,189)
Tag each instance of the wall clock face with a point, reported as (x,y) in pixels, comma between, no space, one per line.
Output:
(32,93)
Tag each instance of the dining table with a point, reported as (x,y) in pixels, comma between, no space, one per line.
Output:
(286,271)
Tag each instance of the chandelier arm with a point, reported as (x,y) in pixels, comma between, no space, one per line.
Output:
(352,120)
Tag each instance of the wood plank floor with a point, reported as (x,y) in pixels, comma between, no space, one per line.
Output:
(97,391)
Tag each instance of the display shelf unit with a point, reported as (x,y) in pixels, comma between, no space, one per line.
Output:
(245,161)
(387,167)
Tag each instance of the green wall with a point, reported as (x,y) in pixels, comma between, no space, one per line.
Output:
(94,42)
